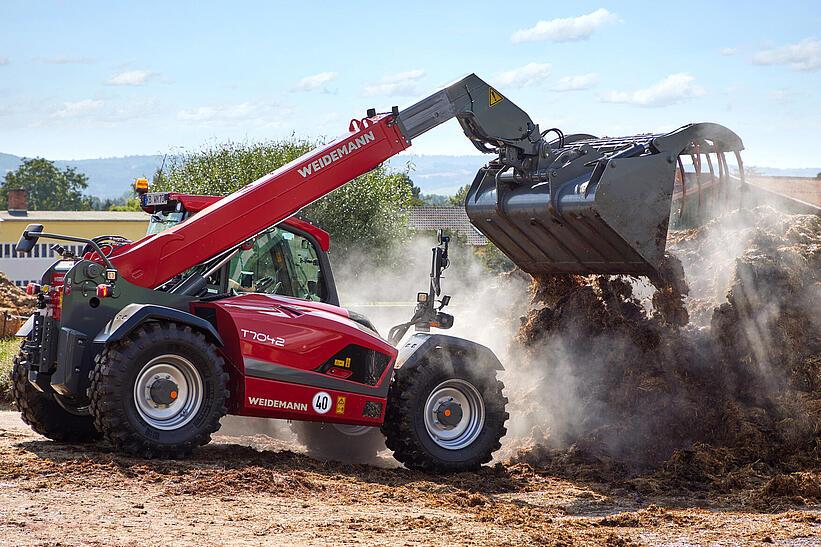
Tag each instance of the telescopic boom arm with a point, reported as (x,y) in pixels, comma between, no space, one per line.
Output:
(274,197)
(575,204)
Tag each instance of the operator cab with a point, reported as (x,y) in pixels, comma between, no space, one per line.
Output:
(289,259)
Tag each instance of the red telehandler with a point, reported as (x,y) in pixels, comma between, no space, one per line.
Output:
(233,309)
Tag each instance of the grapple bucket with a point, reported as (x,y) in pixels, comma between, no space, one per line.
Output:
(593,205)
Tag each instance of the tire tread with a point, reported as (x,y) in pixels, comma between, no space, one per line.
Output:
(401,435)
(111,371)
(45,415)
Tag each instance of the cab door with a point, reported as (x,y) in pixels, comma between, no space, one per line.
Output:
(283,261)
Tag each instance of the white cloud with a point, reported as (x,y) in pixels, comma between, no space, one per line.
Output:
(102,112)
(577,82)
(310,83)
(65,60)
(4,61)
(728,51)
(221,112)
(804,55)
(565,30)
(132,77)
(403,83)
(524,76)
(78,109)
(675,88)
(259,113)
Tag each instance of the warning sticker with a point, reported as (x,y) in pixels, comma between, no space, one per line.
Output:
(494,96)
(340,405)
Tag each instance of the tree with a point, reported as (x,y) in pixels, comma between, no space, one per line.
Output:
(49,189)
(460,196)
(131,204)
(818,176)
(220,169)
(125,202)
(435,200)
(416,192)
(493,259)
(367,213)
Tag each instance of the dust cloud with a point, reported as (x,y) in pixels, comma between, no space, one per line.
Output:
(611,388)
(486,306)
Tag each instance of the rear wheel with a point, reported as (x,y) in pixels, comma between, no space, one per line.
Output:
(445,415)
(47,415)
(160,392)
(347,443)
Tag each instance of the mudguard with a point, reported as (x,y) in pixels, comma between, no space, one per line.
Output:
(421,344)
(134,315)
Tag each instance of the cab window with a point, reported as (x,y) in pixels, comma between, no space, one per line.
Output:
(280,262)
(163,220)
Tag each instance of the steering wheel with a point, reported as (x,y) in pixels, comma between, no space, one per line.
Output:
(265,282)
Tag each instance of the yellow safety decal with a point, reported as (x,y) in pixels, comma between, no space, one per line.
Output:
(340,405)
(343,364)
(494,96)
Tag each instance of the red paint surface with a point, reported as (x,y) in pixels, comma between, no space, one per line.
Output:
(310,334)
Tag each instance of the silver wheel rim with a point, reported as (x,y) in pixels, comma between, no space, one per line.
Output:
(189,392)
(462,434)
(352,430)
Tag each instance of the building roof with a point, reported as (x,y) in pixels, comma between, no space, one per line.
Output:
(84,216)
(454,219)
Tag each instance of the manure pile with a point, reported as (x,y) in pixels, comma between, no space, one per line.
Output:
(729,397)
(14,304)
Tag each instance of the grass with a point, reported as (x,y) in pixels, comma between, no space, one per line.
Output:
(8,349)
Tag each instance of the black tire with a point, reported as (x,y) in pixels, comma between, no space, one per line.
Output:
(44,413)
(347,444)
(119,368)
(404,427)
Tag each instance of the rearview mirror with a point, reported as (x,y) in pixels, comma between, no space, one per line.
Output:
(29,238)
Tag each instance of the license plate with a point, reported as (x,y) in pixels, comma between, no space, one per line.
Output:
(157,198)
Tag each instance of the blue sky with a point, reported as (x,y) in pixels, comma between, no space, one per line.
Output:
(89,79)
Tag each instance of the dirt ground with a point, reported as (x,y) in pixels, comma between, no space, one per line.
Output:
(256,490)
(807,190)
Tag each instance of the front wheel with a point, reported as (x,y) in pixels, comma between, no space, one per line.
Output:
(445,415)
(160,392)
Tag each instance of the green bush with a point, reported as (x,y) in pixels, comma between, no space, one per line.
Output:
(8,349)
(493,259)
(368,213)
(220,169)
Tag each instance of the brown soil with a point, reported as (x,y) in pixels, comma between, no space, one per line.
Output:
(661,406)
(270,493)
(807,190)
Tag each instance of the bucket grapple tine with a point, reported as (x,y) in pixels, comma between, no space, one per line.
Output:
(594,205)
